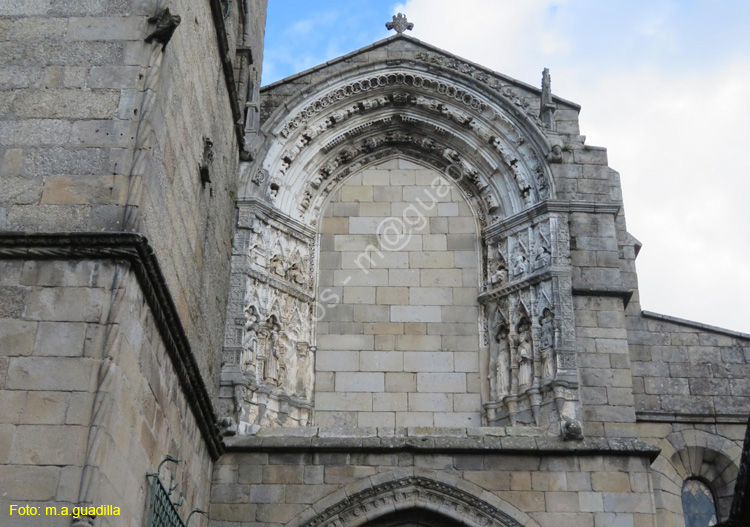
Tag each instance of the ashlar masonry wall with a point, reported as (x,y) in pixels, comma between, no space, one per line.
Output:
(271,480)
(85,380)
(401,347)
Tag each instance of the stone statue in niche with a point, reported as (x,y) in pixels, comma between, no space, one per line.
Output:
(519,262)
(274,354)
(304,374)
(498,271)
(502,362)
(547,344)
(277,266)
(297,275)
(542,257)
(524,354)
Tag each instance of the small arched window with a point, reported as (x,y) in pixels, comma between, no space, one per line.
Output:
(698,504)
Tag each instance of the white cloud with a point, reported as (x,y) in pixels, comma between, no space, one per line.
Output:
(677,136)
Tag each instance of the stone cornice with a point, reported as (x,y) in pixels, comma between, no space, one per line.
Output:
(217,14)
(302,230)
(649,416)
(696,325)
(551,205)
(615,292)
(469,441)
(136,250)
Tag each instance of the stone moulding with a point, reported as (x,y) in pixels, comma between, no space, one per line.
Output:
(412,493)
(136,250)
(372,440)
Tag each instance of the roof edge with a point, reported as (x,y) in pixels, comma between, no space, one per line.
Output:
(431,47)
(696,325)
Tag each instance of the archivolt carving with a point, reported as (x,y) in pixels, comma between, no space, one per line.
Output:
(412,493)
(496,144)
(374,82)
(505,90)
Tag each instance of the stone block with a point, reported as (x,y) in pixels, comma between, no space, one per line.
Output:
(466,402)
(466,362)
(309,493)
(403,277)
(441,382)
(562,501)
(415,419)
(430,402)
(376,419)
(66,104)
(345,342)
(417,343)
(430,296)
(431,260)
(116,77)
(415,313)
(44,408)
(627,502)
(327,360)
(73,304)
(365,313)
(49,445)
(105,28)
(283,474)
(384,328)
(267,494)
(590,502)
(393,295)
(434,242)
(342,475)
(60,339)
(610,482)
(13,299)
(357,193)
(29,483)
(389,402)
(334,226)
(401,382)
(17,337)
(428,361)
(52,373)
(385,342)
(360,382)
(63,190)
(381,361)
(462,226)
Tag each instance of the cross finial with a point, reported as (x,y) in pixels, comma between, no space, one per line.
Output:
(400,24)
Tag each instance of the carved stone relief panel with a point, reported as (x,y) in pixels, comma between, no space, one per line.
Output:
(269,353)
(532,374)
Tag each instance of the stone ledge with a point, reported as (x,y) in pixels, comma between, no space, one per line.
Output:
(136,250)
(696,325)
(490,440)
(646,416)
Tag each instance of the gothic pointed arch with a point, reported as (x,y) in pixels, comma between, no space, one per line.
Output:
(446,117)
(403,99)
(397,495)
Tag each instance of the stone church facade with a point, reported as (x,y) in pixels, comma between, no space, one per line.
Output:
(394,289)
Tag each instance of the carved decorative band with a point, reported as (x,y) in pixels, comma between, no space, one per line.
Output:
(415,492)
(135,249)
(278,284)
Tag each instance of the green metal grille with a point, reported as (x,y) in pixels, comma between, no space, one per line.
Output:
(163,512)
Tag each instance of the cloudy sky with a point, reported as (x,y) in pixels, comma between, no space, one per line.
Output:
(664,85)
